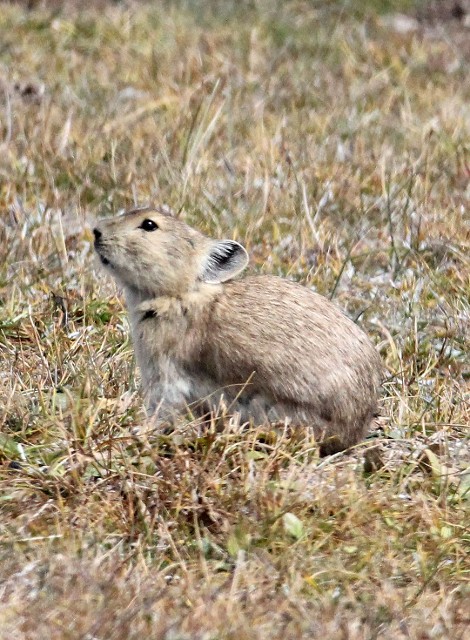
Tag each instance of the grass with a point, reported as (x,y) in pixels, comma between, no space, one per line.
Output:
(336,149)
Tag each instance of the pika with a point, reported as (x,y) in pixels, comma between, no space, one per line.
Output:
(270,349)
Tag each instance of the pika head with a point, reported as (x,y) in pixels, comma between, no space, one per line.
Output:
(150,251)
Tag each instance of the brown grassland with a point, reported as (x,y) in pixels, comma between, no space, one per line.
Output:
(330,138)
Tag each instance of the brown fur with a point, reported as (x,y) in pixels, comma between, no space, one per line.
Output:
(266,347)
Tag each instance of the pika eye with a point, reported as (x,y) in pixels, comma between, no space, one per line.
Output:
(148,225)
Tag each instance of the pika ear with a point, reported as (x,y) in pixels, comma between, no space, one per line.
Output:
(224,261)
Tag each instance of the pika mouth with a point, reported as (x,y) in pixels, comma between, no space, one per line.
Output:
(104,259)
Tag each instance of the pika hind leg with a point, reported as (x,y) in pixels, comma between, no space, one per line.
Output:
(331,436)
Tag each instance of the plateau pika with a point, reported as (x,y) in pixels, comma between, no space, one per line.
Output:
(270,349)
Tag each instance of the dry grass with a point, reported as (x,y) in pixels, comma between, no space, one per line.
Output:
(336,149)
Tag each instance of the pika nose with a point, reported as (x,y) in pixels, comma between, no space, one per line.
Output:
(97,233)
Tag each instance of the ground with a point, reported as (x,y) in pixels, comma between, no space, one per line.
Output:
(332,139)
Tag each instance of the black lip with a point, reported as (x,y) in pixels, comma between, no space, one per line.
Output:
(103,259)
